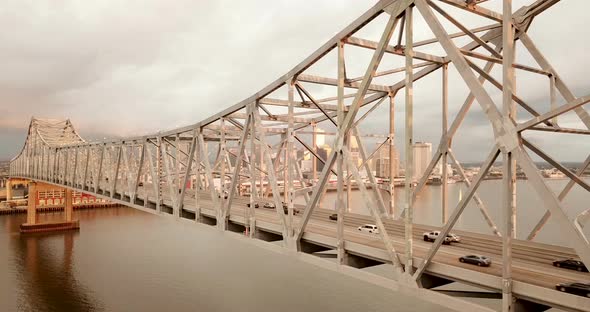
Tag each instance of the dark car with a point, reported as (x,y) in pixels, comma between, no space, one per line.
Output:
(477,260)
(286,209)
(334,216)
(576,288)
(571,264)
(255,205)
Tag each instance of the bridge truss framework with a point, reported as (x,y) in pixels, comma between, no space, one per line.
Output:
(255,141)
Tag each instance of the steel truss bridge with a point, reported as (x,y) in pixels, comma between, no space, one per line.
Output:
(253,144)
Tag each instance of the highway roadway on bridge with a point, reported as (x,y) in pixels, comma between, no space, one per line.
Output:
(532,261)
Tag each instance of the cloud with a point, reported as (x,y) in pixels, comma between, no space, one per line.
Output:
(125,69)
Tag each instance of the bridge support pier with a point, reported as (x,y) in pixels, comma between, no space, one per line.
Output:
(8,189)
(69,208)
(33,225)
(32,204)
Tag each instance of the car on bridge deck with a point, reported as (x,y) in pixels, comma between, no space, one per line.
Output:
(255,205)
(432,236)
(476,259)
(575,288)
(333,217)
(271,205)
(369,228)
(454,237)
(571,264)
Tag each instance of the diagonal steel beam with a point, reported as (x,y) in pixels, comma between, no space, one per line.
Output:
(187,173)
(551,202)
(454,217)
(397,8)
(561,196)
(556,164)
(238,166)
(476,198)
(368,200)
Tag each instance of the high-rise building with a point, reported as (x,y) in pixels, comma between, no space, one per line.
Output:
(422,153)
(382,167)
(320,139)
(382,162)
(323,152)
(355,154)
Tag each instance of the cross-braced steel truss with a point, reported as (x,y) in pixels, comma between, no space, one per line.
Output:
(249,150)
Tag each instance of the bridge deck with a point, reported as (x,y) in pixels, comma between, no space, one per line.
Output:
(534,275)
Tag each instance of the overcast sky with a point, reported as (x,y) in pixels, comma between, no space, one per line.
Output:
(129,69)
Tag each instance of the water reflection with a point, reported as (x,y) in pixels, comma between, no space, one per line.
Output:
(46,274)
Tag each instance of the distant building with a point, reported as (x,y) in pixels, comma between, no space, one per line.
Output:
(382,162)
(306,165)
(382,167)
(323,151)
(438,169)
(320,139)
(355,154)
(422,153)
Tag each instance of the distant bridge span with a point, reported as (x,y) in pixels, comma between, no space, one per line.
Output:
(254,159)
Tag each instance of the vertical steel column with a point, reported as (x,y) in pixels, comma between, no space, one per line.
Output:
(285,161)
(222,224)
(289,160)
(251,218)
(116,170)
(262,165)
(197,186)
(29,152)
(553,97)
(75,171)
(66,172)
(159,157)
(187,172)
(314,143)
(391,140)
(55,174)
(409,140)
(85,177)
(140,169)
(99,173)
(509,174)
(445,151)
(340,160)
(176,178)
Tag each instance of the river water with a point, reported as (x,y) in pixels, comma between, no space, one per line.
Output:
(127,260)
(530,208)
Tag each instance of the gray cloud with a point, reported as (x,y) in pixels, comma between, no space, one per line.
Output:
(119,69)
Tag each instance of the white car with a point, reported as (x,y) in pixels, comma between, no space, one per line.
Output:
(432,236)
(454,237)
(369,228)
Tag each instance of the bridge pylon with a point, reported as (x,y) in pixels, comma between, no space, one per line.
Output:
(33,225)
